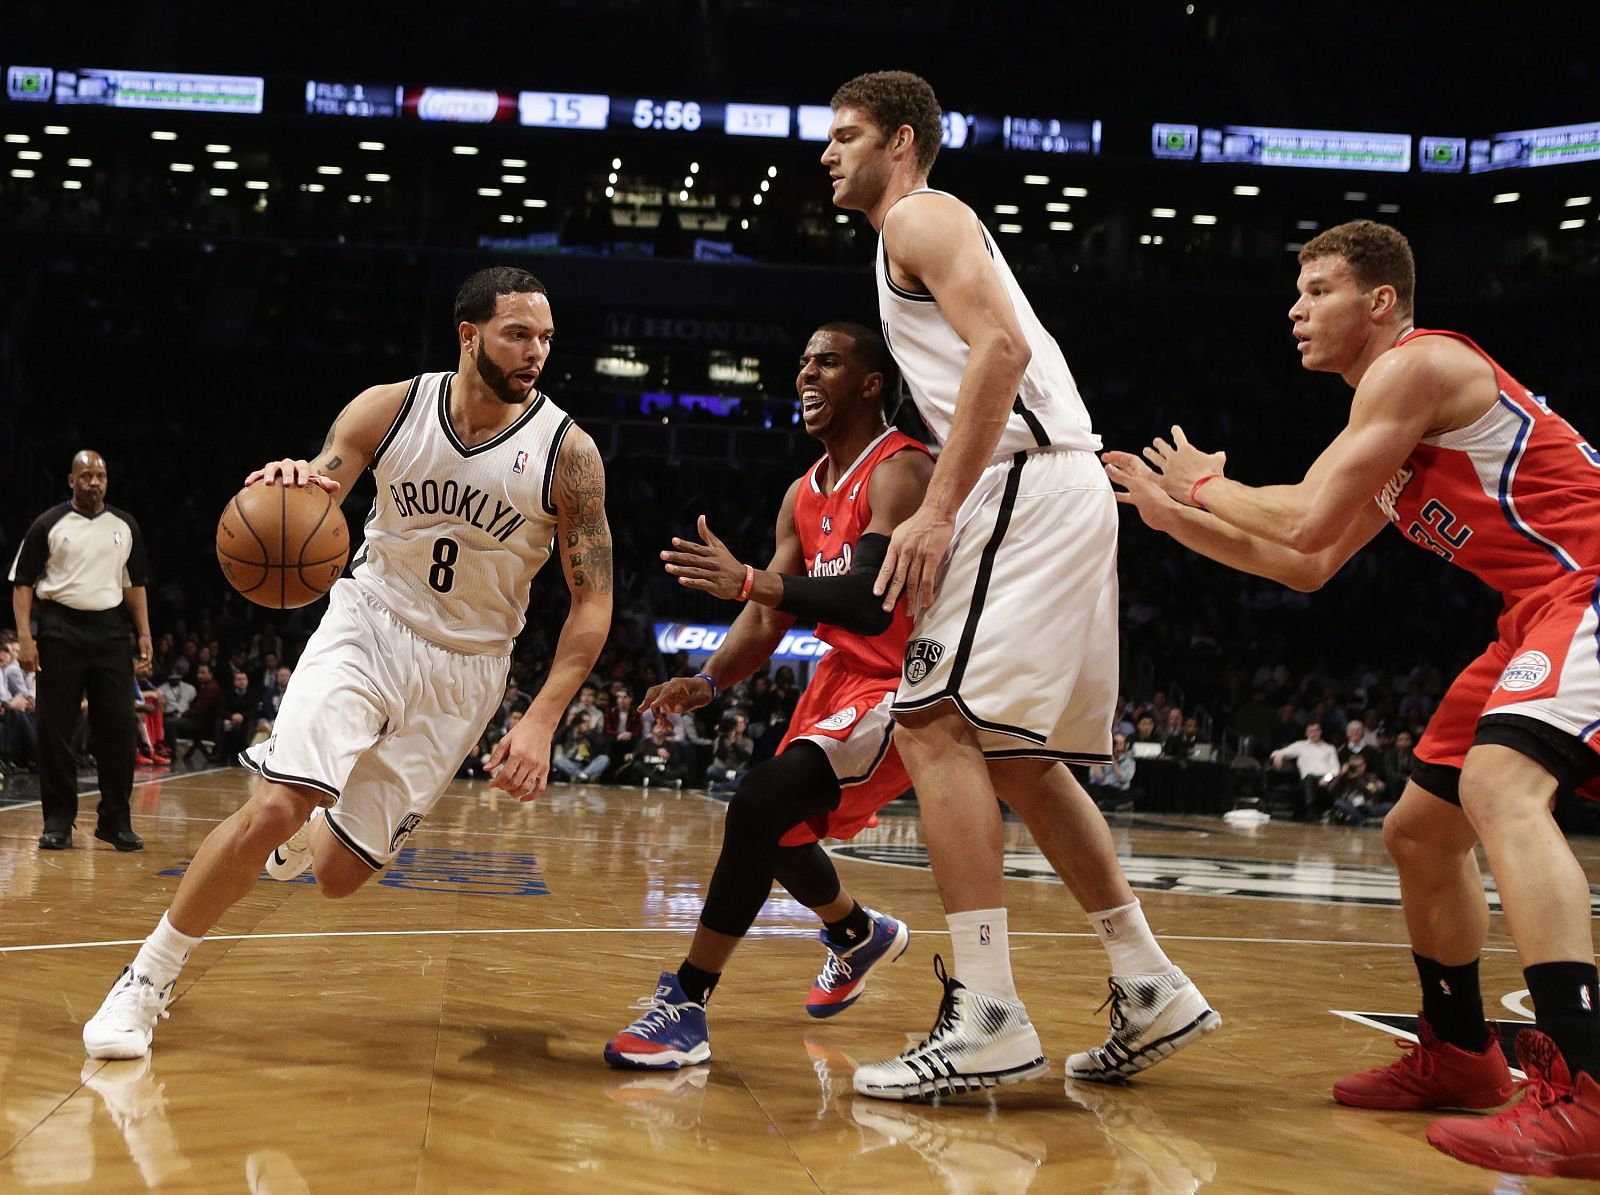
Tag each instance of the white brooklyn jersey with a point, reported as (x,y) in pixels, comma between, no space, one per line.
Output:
(456,533)
(1048,411)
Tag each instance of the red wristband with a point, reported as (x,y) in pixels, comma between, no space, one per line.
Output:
(749,583)
(1194,490)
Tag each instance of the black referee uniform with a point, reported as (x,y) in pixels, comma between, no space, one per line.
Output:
(79,568)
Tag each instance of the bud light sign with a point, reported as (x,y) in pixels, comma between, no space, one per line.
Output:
(700,639)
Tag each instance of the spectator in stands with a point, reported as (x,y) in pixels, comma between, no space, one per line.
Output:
(1144,729)
(199,721)
(238,717)
(1359,796)
(271,698)
(1398,761)
(588,704)
(623,731)
(1181,743)
(1111,784)
(1357,741)
(176,696)
(19,729)
(659,762)
(580,754)
(1318,765)
(730,755)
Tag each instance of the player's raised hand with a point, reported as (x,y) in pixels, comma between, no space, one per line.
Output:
(1181,465)
(291,472)
(521,761)
(1141,489)
(917,549)
(707,566)
(678,695)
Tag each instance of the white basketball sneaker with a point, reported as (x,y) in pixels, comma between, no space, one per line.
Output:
(293,857)
(1152,1017)
(127,1020)
(977,1041)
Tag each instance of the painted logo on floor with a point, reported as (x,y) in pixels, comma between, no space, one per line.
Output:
(1315,880)
(431,869)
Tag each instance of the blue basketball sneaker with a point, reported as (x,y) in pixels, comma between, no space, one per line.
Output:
(670,1033)
(844,975)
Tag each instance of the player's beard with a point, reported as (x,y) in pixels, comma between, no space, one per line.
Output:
(498,380)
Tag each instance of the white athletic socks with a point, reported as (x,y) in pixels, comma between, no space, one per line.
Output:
(982,950)
(163,954)
(1127,938)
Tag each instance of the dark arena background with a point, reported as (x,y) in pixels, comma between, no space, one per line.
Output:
(220,223)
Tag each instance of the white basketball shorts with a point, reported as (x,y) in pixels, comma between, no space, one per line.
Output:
(377,720)
(1022,633)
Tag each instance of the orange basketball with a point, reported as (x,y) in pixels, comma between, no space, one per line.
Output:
(282,546)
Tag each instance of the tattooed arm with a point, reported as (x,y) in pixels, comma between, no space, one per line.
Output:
(350,444)
(583,537)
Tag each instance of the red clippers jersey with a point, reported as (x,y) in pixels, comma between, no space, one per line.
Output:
(829,526)
(1514,498)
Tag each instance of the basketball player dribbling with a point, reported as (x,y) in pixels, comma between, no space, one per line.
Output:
(836,766)
(1009,570)
(1469,464)
(477,472)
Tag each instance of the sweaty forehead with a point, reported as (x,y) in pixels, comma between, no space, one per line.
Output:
(1329,270)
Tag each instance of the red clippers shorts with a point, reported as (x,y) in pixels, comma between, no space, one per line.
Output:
(847,715)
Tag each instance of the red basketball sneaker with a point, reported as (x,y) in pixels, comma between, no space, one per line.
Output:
(1553,1130)
(1432,1074)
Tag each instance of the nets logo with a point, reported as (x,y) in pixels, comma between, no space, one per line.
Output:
(1527,671)
(403,831)
(922,655)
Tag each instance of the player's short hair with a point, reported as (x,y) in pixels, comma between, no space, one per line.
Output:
(1378,255)
(475,301)
(868,345)
(895,98)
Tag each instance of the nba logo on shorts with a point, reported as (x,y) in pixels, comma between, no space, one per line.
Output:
(403,831)
(983,934)
(521,463)
(922,655)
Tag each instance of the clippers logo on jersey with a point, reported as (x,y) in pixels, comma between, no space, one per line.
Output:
(839,721)
(1527,671)
(834,566)
(520,462)
(403,831)
(922,656)
(1392,490)
(827,524)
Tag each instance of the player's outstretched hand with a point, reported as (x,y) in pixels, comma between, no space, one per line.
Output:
(1180,465)
(1141,489)
(678,695)
(521,761)
(291,472)
(916,553)
(707,566)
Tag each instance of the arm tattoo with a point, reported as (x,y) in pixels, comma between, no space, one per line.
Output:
(583,503)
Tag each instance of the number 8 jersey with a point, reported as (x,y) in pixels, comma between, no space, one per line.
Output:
(1513,498)
(456,533)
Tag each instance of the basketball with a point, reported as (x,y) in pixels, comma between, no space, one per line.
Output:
(282,546)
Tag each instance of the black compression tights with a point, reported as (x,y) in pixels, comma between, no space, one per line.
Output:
(773,797)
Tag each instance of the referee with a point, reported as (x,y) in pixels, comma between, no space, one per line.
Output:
(81,573)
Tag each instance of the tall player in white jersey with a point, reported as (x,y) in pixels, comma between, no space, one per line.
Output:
(1010,569)
(478,472)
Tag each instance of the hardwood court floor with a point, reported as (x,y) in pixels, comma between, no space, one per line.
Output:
(441,1031)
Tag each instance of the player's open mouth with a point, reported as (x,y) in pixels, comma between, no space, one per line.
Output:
(527,377)
(812,401)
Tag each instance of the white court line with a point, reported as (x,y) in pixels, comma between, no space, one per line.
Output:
(95,792)
(761,931)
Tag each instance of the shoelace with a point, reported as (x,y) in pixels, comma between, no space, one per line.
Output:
(1539,1094)
(660,1012)
(1119,1019)
(1414,1059)
(146,1000)
(835,969)
(945,1021)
